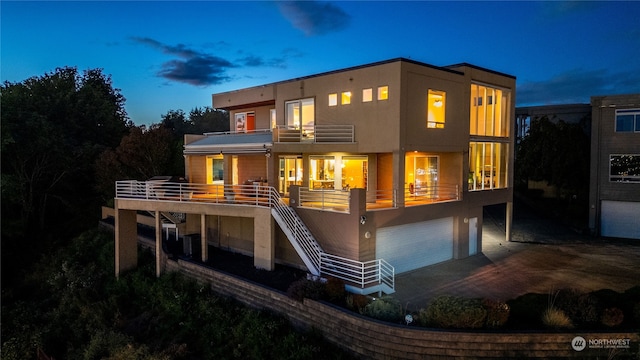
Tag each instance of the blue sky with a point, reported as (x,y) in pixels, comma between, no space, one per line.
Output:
(173,55)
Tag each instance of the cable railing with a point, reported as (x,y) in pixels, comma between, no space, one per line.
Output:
(315,133)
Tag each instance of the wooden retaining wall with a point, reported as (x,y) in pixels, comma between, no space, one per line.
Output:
(371,339)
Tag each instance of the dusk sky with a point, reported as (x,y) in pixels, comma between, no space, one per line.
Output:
(173,55)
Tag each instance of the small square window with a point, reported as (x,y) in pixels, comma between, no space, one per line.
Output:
(383,92)
(367,95)
(333,99)
(346,98)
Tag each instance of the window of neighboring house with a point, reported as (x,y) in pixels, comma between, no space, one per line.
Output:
(628,120)
(346,98)
(354,170)
(215,169)
(624,168)
(383,92)
(489,111)
(488,165)
(333,99)
(436,109)
(367,95)
(322,172)
(245,122)
(300,113)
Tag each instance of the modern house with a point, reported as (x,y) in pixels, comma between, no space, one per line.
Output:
(360,173)
(614,199)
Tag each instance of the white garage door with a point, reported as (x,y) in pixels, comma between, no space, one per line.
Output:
(620,219)
(412,246)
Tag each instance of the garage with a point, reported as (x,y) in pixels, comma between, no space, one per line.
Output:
(620,219)
(412,246)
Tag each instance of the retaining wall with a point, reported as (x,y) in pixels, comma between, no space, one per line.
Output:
(372,339)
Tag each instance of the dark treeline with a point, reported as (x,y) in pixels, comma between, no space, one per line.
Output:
(66,139)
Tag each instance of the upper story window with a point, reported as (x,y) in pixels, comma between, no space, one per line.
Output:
(367,95)
(300,113)
(245,122)
(489,111)
(628,120)
(215,169)
(488,165)
(624,168)
(383,92)
(436,109)
(272,117)
(346,98)
(333,99)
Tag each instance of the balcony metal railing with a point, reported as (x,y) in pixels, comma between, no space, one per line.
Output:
(421,195)
(315,134)
(328,200)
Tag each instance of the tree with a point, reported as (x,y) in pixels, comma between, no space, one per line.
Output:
(53,128)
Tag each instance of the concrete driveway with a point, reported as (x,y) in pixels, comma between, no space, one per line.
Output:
(544,257)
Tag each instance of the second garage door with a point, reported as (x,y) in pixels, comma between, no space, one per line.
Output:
(620,219)
(412,246)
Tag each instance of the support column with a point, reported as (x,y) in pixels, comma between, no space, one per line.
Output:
(508,220)
(203,238)
(158,244)
(264,248)
(126,239)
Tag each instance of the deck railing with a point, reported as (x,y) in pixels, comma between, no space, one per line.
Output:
(315,133)
(327,200)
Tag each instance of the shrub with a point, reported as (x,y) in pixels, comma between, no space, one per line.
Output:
(526,311)
(335,290)
(556,318)
(581,308)
(612,317)
(497,313)
(305,288)
(454,312)
(385,308)
(356,302)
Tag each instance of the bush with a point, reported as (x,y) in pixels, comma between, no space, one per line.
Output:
(581,308)
(385,308)
(304,288)
(526,311)
(497,313)
(356,302)
(556,318)
(335,290)
(612,317)
(454,312)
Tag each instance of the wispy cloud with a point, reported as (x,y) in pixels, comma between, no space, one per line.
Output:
(577,86)
(200,68)
(314,17)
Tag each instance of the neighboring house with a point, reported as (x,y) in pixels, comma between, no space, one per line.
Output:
(360,173)
(615,166)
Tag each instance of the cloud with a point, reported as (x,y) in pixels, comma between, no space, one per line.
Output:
(577,86)
(313,17)
(193,67)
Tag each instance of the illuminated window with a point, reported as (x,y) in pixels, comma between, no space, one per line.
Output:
(215,169)
(436,109)
(346,98)
(624,168)
(367,95)
(333,99)
(489,111)
(383,92)
(488,165)
(300,113)
(272,116)
(321,172)
(354,172)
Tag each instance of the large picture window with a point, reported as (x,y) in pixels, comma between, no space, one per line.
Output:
(624,168)
(488,165)
(628,120)
(322,172)
(489,111)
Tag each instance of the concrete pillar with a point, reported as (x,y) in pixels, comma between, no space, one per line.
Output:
(126,238)
(264,248)
(158,244)
(508,220)
(203,238)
